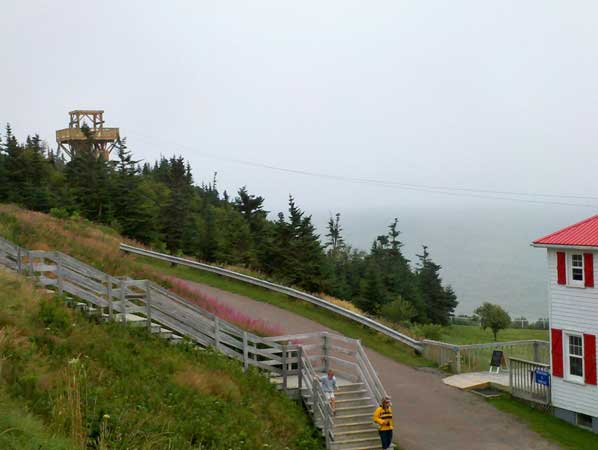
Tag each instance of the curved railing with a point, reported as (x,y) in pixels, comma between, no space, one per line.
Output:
(359,318)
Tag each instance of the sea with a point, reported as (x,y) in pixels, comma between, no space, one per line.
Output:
(485,250)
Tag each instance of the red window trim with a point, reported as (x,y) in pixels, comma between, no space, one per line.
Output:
(588,269)
(556,342)
(561,267)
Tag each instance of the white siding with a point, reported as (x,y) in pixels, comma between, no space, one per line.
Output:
(573,309)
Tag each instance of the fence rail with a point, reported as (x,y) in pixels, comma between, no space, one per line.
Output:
(294,361)
(522,379)
(363,320)
(475,357)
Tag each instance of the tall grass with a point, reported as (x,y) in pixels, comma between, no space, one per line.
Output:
(90,386)
(99,246)
(195,295)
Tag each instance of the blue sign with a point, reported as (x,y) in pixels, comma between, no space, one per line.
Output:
(542,377)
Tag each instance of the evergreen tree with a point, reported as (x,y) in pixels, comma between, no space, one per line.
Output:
(335,240)
(440,302)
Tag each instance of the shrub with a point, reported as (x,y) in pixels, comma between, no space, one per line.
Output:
(429,331)
(399,311)
(52,315)
(59,213)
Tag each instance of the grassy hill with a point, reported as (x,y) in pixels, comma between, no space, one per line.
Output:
(69,383)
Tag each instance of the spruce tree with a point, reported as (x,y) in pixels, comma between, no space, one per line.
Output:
(440,302)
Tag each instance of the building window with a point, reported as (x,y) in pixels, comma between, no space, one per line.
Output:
(574,357)
(576,272)
(585,421)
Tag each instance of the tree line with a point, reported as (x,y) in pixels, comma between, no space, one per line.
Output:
(160,205)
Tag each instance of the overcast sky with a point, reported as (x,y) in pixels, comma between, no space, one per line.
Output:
(489,95)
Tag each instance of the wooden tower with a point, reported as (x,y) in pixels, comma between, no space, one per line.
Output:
(97,139)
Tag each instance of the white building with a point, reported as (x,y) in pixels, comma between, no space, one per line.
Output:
(573,301)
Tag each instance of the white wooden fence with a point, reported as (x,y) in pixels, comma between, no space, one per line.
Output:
(476,357)
(522,379)
(294,362)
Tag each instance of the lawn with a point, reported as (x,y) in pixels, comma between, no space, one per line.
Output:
(472,334)
(566,435)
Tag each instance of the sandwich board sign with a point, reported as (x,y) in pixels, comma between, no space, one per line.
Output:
(497,361)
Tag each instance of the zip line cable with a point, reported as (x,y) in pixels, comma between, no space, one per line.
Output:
(443,190)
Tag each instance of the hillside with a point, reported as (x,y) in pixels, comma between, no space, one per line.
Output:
(79,384)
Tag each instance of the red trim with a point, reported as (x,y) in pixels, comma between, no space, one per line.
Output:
(556,341)
(589,358)
(561,268)
(588,269)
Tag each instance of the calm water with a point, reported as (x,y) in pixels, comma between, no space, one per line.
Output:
(485,253)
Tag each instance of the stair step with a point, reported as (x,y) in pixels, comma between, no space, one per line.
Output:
(351,410)
(350,444)
(358,393)
(175,339)
(338,420)
(365,401)
(354,426)
(350,387)
(367,433)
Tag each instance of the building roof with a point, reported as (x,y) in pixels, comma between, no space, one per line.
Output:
(583,234)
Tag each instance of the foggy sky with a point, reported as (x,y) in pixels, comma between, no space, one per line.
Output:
(491,95)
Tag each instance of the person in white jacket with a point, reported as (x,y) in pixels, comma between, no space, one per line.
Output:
(329,387)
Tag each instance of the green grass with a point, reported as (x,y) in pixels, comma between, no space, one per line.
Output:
(80,384)
(20,430)
(376,341)
(468,334)
(566,435)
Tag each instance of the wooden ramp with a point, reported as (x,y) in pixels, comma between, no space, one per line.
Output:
(478,380)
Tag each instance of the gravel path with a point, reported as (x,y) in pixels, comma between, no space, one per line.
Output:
(429,415)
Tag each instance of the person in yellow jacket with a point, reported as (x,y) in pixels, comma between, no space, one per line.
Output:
(383,417)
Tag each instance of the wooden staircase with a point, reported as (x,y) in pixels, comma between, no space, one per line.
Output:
(353,425)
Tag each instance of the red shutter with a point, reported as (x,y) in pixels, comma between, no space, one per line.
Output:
(589,358)
(556,340)
(588,269)
(561,269)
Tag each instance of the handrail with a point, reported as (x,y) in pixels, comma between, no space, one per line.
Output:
(363,320)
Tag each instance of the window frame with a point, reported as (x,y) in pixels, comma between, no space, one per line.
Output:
(579,379)
(570,281)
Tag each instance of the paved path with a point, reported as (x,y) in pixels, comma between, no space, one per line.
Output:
(429,414)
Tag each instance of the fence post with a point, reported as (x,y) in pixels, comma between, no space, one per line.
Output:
(326,425)
(245,352)
(148,306)
(217,333)
(59,274)
(31,272)
(325,351)
(458,360)
(284,367)
(536,351)
(314,399)
(511,369)
(109,296)
(19,260)
(123,306)
(300,369)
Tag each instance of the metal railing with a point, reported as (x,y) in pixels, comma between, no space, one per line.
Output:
(522,379)
(295,361)
(361,319)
